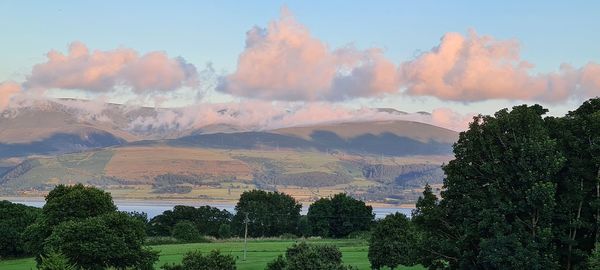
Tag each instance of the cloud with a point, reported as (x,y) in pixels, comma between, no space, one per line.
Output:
(104,71)
(450,119)
(263,115)
(7,91)
(475,68)
(284,62)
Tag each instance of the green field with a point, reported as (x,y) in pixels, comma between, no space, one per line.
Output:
(260,252)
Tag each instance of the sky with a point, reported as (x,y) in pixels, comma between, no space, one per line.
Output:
(457,58)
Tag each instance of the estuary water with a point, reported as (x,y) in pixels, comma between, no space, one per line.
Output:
(152,208)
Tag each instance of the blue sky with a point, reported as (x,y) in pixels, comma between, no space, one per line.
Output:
(549,33)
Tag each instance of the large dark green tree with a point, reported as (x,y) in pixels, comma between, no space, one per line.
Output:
(578,192)
(269,214)
(14,218)
(393,243)
(499,194)
(522,192)
(83,224)
(339,216)
(110,240)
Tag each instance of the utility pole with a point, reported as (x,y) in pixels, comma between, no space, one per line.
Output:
(246,220)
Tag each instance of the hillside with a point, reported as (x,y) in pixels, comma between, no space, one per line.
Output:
(58,142)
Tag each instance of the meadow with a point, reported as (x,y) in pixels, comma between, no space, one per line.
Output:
(260,252)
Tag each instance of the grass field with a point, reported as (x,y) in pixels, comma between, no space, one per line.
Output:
(260,252)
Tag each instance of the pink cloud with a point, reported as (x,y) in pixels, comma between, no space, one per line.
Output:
(475,68)
(284,62)
(450,119)
(104,71)
(7,91)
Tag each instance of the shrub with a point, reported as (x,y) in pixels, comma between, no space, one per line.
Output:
(304,256)
(195,260)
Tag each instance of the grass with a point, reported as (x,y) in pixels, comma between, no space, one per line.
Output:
(260,252)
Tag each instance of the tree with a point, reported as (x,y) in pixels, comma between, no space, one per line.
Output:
(224,231)
(578,187)
(14,218)
(186,231)
(195,260)
(499,200)
(270,213)
(56,261)
(304,256)
(393,243)
(339,216)
(66,203)
(111,240)
(427,218)
(206,219)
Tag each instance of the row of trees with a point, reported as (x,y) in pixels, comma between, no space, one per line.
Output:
(523,192)
(268,214)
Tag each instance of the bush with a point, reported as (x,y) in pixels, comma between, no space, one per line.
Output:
(186,231)
(304,256)
(195,260)
(288,236)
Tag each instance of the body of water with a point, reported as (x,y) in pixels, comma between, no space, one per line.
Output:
(153,209)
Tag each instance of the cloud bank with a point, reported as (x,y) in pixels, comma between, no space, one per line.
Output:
(284,62)
(7,91)
(475,68)
(104,71)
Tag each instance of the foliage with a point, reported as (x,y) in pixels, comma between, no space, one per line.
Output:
(339,216)
(14,218)
(593,261)
(186,231)
(56,261)
(206,219)
(269,213)
(82,223)
(66,203)
(522,192)
(224,231)
(110,240)
(304,256)
(393,243)
(195,260)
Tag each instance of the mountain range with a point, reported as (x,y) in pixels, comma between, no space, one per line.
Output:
(68,141)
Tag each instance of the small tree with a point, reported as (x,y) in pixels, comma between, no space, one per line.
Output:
(186,231)
(195,260)
(56,261)
(393,243)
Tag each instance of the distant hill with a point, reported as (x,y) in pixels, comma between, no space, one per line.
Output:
(390,138)
(67,125)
